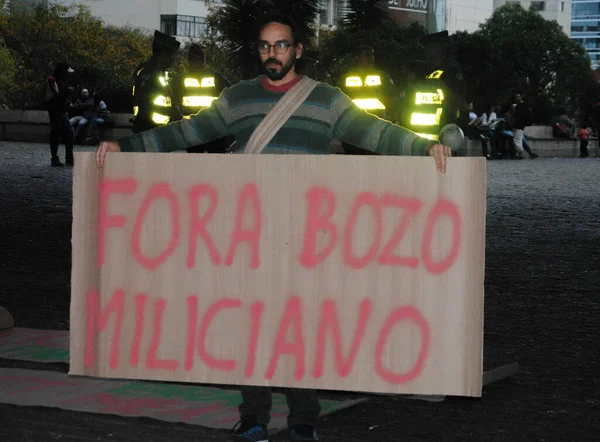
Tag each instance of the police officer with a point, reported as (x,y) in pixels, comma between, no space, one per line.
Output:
(151,90)
(370,88)
(196,90)
(57,95)
(434,101)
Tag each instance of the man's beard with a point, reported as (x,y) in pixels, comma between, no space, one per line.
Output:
(273,74)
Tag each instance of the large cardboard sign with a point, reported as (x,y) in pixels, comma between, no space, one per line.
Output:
(328,272)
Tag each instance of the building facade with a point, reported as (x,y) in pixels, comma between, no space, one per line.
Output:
(184,19)
(434,15)
(467,15)
(558,10)
(585,27)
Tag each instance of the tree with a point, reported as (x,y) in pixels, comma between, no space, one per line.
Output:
(304,13)
(525,54)
(104,57)
(7,75)
(237,23)
(366,14)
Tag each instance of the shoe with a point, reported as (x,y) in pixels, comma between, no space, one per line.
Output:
(56,163)
(69,162)
(533,156)
(303,433)
(248,430)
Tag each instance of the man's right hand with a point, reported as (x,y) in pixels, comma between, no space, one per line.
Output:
(103,149)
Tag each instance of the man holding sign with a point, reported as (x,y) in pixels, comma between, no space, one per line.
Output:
(307,116)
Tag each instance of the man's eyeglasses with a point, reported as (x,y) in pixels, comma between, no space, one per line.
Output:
(280,47)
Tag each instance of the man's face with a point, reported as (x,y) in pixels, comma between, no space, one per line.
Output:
(273,64)
(518,98)
(85,94)
(166,60)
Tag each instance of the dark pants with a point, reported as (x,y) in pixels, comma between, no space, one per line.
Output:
(583,150)
(527,148)
(60,126)
(303,404)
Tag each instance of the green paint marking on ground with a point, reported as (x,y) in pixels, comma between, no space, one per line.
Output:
(174,391)
(328,406)
(226,398)
(37,353)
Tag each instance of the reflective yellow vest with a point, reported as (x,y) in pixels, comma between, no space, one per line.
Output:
(427,104)
(366,90)
(198,92)
(152,101)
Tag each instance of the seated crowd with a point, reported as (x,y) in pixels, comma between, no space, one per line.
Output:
(89,116)
(495,130)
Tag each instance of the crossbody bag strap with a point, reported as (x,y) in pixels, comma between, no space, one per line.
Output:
(280,113)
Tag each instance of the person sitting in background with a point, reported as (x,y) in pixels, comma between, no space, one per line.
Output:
(468,121)
(99,118)
(487,127)
(562,126)
(83,108)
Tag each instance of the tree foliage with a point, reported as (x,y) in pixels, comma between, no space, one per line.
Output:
(104,57)
(7,75)
(236,22)
(518,51)
(367,15)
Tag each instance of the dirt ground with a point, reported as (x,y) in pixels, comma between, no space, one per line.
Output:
(542,310)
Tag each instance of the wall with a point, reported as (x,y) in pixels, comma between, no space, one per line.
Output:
(408,11)
(140,13)
(467,15)
(196,8)
(33,126)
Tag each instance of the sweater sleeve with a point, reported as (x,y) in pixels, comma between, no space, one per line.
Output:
(207,125)
(362,129)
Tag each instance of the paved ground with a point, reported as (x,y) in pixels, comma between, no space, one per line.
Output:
(542,309)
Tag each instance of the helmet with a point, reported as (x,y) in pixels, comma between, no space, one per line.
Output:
(165,44)
(196,52)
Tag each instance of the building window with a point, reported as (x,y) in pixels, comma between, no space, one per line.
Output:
(538,6)
(562,6)
(323,12)
(339,11)
(331,12)
(168,24)
(183,25)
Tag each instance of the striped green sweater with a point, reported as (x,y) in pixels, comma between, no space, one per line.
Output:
(327,114)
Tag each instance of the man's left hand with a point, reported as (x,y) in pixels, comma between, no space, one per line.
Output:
(440,153)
